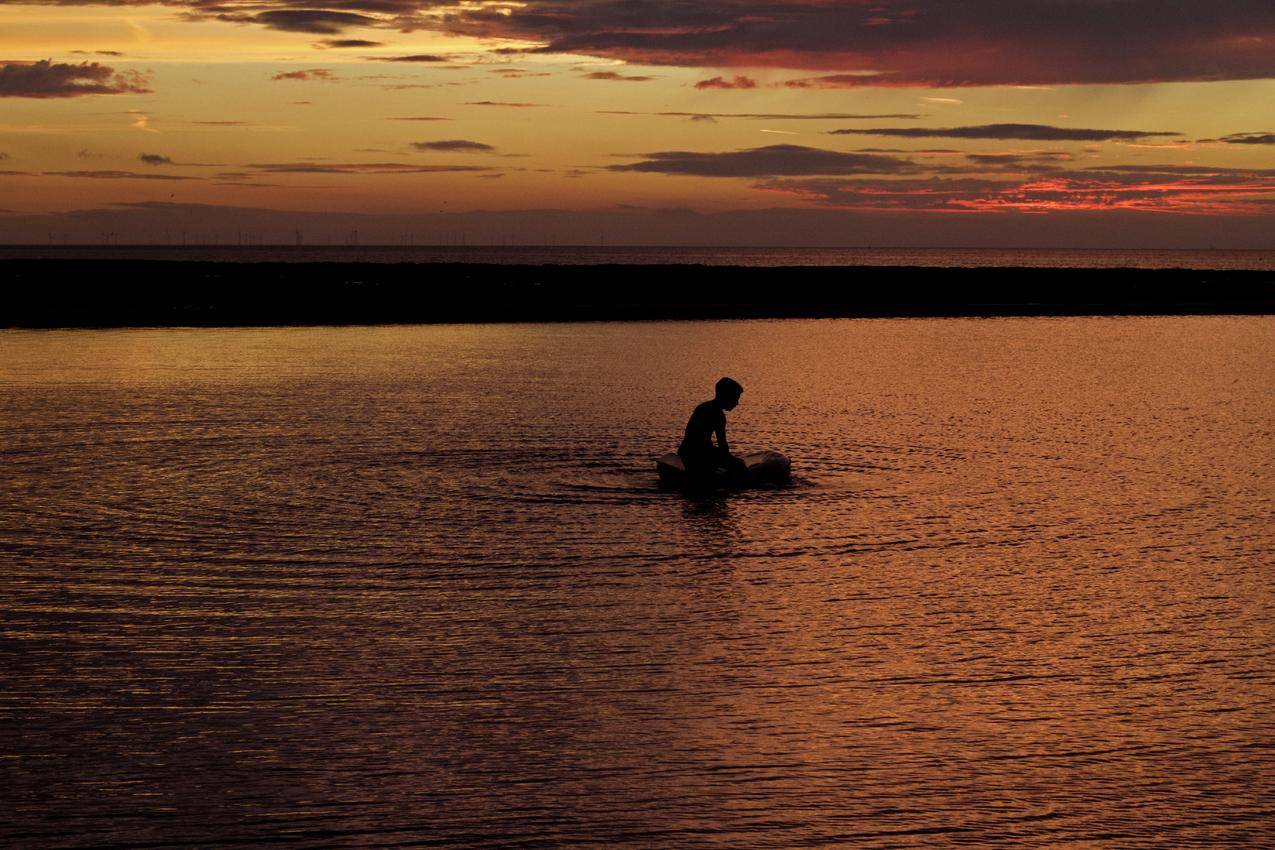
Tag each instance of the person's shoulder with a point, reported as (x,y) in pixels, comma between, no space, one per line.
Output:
(710,411)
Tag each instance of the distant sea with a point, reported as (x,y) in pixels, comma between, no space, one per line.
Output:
(1221,260)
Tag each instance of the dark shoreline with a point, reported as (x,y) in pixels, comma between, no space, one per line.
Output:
(48,293)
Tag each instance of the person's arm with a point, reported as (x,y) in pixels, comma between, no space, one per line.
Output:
(735,466)
(722,445)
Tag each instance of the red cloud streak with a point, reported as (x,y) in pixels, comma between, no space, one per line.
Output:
(1243,195)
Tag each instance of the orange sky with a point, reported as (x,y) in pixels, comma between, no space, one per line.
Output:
(876,108)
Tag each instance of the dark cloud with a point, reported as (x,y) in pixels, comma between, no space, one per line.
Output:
(1036,161)
(46,79)
(98,52)
(454,146)
(306,74)
(736,82)
(885,43)
(315,21)
(347,42)
(415,57)
(518,73)
(408,86)
(4,155)
(1033,132)
(154,159)
(116,175)
(774,160)
(770,116)
(830,81)
(1184,170)
(1246,139)
(941,151)
(909,42)
(358,168)
(900,194)
(248,184)
(506,103)
(619,78)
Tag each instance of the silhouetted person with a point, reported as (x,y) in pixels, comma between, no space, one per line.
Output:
(701,457)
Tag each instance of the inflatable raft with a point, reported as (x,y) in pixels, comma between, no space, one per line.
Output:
(765,468)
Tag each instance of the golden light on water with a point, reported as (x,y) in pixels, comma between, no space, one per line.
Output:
(420,582)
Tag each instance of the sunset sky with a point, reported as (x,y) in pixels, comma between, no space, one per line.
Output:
(1088,113)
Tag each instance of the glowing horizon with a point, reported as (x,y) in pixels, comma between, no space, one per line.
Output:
(445,108)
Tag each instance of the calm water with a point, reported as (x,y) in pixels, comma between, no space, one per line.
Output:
(1220,260)
(416,586)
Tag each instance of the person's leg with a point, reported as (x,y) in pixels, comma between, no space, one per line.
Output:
(701,469)
(736,469)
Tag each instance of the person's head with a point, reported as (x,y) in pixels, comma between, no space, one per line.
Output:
(727,393)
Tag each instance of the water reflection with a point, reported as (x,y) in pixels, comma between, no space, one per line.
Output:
(710,517)
(418,584)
